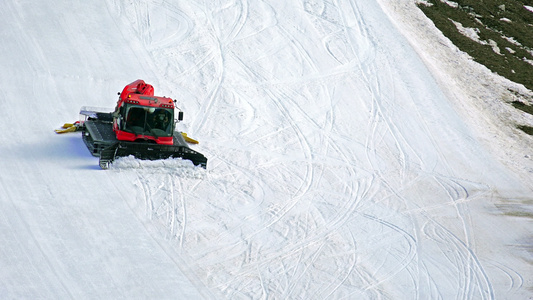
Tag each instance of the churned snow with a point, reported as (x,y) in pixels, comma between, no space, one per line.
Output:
(353,152)
(450,3)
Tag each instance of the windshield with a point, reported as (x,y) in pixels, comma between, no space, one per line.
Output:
(150,121)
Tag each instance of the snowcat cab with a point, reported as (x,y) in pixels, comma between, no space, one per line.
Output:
(141,116)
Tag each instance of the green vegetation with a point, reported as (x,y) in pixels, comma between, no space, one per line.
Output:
(510,210)
(495,33)
(523,107)
(526,129)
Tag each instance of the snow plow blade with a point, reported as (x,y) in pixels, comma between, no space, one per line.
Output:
(149,152)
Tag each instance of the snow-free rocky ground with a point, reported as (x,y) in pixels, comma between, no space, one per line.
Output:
(354,153)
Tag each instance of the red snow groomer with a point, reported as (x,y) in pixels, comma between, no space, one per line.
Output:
(142,125)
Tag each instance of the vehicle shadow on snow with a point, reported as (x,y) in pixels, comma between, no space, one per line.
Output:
(69,151)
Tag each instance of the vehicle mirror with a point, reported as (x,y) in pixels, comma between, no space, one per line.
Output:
(180,116)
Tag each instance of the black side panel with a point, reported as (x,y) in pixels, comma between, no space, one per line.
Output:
(105,117)
(98,135)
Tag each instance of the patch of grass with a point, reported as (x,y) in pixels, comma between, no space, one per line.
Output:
(526,129)
(520,214)
(504,26)
(495,33)
(515,210)
(523,107)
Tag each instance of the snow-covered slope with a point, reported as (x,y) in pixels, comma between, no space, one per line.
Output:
(338,165)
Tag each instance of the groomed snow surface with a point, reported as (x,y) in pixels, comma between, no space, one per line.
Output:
(347,160)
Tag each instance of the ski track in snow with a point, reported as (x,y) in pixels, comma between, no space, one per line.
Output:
(331,172)
(314,205)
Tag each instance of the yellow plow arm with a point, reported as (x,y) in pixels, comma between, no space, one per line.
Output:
(188,139)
